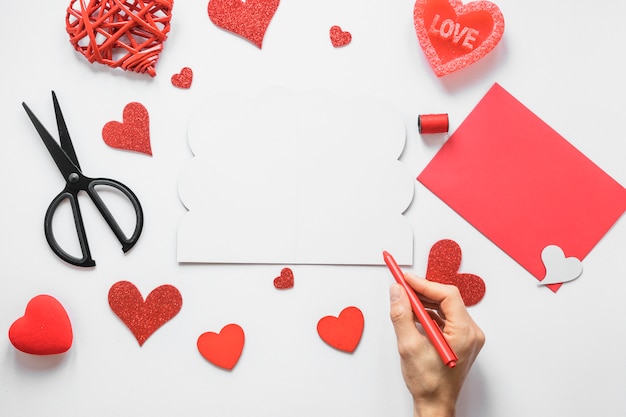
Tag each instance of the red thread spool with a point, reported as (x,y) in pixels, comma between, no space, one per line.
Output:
(433,123)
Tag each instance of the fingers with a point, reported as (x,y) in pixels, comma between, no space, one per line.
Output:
(447,297)
(402,318)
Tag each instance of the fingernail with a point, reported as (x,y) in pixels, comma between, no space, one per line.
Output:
(394,292)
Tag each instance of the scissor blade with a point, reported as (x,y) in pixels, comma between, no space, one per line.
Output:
(64,134)
(65,165)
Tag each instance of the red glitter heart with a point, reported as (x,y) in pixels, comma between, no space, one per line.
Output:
(444,261)
(343,332)
(128,34)
(339,37)
(454,36)
(45,328)
(224,348)
(143,318)
(133,134)
(183,79)
(248,19)
(285,280)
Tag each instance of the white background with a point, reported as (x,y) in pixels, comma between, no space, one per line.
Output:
(546,354)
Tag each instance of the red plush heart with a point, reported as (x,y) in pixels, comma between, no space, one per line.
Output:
(224,348)
(45,328)
(285,280)
(444,261)
(248,19)
(143,318)
(343,332)
(339,37)
(133,134)
(128,34)
(183,79)
(454,36)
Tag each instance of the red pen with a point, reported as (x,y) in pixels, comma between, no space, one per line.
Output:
(431,328)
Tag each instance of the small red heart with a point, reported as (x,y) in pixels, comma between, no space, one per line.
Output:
(224,348)
(45,328)
(285,280)
(133,134)
(183,79)
(343,332)
(339,37)
(143,318)
(454,36)
(444,261)
(249,18)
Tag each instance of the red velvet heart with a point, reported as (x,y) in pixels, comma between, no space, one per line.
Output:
(143,318)
(285,280)
(454,36)
(248,19)
(183,79)
(45,328)
(343,332)
(133,134)
(444,261)
(224,348)
(339,37)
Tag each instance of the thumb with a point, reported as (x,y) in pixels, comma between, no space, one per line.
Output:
(401,314)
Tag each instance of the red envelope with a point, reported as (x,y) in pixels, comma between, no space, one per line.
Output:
(522,184)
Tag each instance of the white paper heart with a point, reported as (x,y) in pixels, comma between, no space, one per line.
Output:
(559,269)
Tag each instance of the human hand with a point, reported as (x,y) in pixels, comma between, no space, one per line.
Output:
(435,387)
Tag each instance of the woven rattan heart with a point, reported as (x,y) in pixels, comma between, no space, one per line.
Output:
(128,34)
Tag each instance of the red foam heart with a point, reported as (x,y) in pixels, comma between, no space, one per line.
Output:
(143,318)
(454,36)
(183,79)
(285,280)
(224,348)
(45,328)
(339,37)
(343,332)
(133,134)
(128,34)
(444,261)
(248,19)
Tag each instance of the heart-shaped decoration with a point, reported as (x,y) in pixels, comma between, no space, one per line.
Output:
(343,332)
(224,348)
(143,318)
(183,79)
(249,18)
(127,34)
(133,134)
(454,35)
(285,280)
(559,269)
(339,37)
(444,261)
(45,328)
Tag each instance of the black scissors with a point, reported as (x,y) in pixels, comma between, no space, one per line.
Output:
(65,158)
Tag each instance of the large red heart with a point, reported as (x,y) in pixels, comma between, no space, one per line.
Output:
(133,134)
(444,261)
(224,348)
(343,332)
(454,36)
(248,19)
(143,318)
(45,328)
(128,34)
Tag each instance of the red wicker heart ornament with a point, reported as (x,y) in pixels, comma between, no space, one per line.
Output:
(128,34)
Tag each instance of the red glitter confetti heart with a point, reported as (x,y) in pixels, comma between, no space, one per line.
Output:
(339,37)
(224,348)
(143,318)
(248,19)
(133,134)
(183,79)
(285,280)
(343,332)
(128,34)
(444,261)
(454,36)
(45,328)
